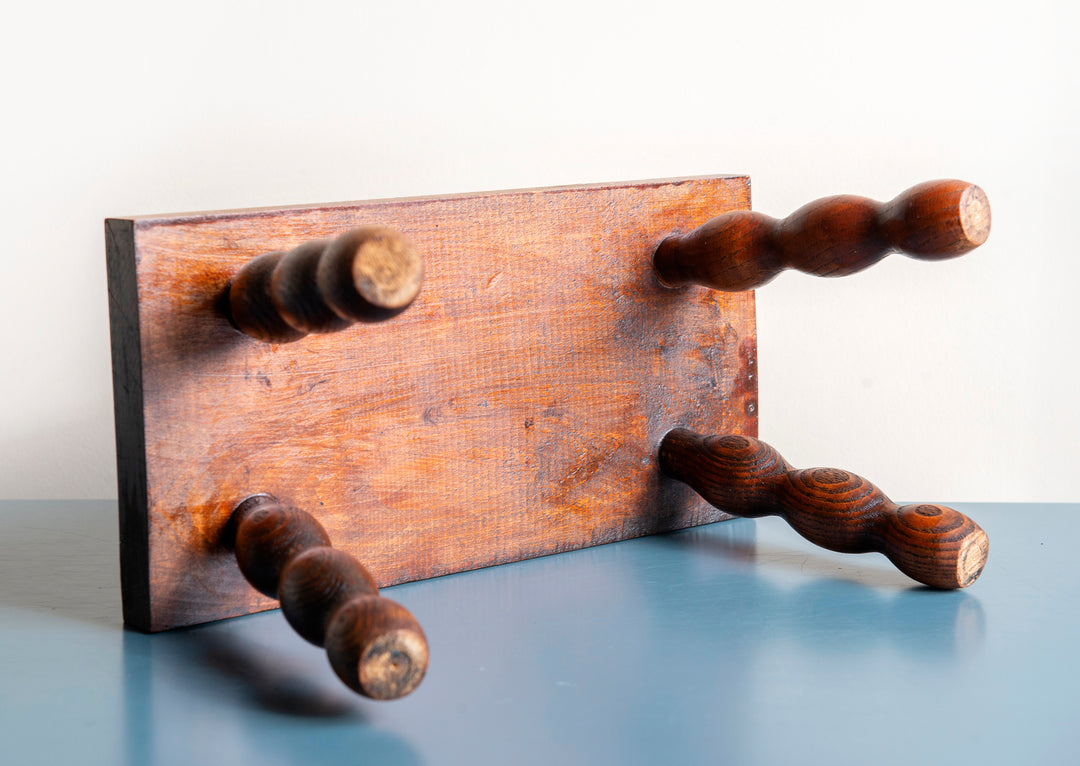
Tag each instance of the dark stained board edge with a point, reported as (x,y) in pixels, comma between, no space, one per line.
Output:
(130,431)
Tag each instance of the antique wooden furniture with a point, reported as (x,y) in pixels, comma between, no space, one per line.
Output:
(517,364)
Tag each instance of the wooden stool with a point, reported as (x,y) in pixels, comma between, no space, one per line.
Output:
(449,383)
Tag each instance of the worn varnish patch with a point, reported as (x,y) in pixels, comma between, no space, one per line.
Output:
(514,410)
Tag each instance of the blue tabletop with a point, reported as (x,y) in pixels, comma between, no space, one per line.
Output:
(738,642)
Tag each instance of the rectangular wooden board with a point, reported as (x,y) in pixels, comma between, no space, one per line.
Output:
(514,410)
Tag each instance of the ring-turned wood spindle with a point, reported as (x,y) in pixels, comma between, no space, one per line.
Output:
(831,237)
(374,644)
(367,274)
(835,509)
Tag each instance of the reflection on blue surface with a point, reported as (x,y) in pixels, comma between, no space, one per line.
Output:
(782,595)
(736,642)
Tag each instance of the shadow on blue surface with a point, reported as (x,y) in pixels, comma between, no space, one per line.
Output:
(255,676)
(693,646)
(209,692)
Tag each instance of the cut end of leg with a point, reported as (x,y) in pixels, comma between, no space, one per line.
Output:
(393,664)
(386,269)
(975,215)
(972,558)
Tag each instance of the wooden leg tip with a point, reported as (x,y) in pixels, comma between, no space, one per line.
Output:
(377,648)
(393,665)
(972,558)
(975,215)
(387,270)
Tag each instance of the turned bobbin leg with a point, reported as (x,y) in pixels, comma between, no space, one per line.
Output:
(835,509)
(830,237)
(365,275)
(374,645)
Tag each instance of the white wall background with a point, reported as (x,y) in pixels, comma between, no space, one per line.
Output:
(948,382)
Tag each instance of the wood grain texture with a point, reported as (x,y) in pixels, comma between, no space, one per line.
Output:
(830,237)
(935,545)
(513,410)
(315,583)
(268,536)
(374,645)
